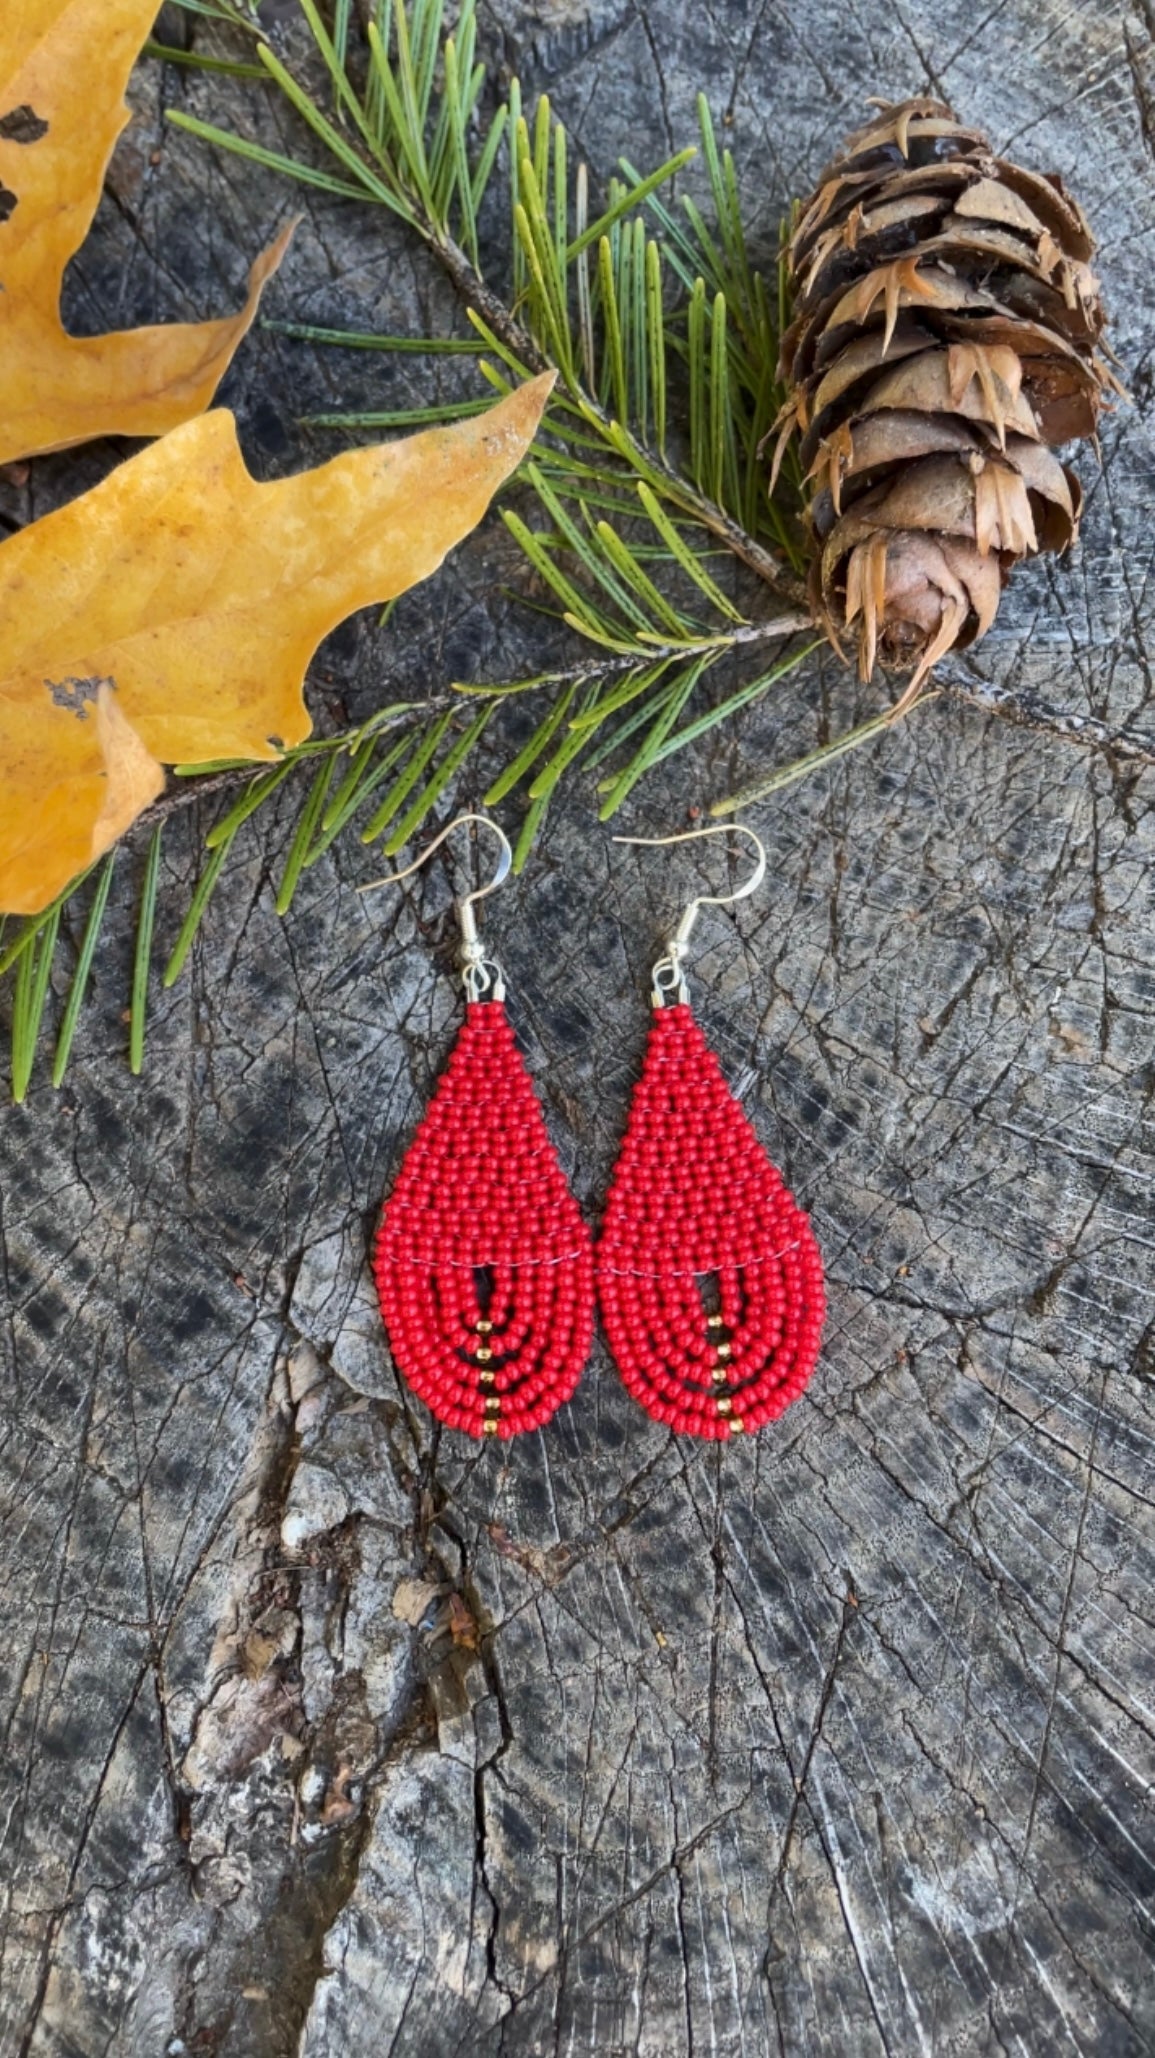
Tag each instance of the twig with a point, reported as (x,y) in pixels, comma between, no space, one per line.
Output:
(186,791)
(1028,711)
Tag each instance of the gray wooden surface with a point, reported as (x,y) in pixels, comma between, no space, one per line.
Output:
(326,1734)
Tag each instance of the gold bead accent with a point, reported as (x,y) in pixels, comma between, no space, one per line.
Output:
(493,1405)
(713,1321)
(484,1328)
(486,1378)
(723,1350)
(489,1428)
(718,1375)
(736,1425)
(483,1354)
(725,1405)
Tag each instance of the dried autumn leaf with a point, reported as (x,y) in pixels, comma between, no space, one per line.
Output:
(63,68)
(167,617)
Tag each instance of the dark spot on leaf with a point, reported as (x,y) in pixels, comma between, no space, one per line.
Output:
(7,203)
(275,742)
(22,125)
(75,693)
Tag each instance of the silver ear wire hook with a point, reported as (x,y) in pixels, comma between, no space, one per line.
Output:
(668,976)
(482,974)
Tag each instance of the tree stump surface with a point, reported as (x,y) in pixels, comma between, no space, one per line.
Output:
(325,1733)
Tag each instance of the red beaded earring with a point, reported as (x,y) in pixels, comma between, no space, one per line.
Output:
(709,1277)
(483,1264)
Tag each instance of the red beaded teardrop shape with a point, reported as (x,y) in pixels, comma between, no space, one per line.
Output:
(709,1277)
(483,1264)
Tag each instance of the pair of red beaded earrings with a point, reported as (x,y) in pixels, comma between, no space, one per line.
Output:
(707,1272)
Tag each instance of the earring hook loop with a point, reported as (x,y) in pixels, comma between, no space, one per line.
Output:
(479,971)
(668,976)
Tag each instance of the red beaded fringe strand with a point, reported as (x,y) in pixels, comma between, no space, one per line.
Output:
(483,1264)
(697,1215)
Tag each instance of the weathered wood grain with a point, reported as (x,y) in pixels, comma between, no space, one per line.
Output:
(836,1743)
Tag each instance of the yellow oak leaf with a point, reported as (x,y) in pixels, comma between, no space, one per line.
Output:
(167,616)
(63,68)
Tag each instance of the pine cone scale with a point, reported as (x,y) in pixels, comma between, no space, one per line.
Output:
(942,344)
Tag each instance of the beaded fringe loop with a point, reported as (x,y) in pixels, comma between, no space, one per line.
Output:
(709,1276)
(483,1264)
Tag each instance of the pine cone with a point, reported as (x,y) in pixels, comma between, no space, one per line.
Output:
(943,338)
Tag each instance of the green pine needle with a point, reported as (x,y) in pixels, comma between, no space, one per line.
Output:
(306,828)
(29,1001)
(78,988)
(200,900)
(405,781)
(193,59)
(361,339)
(813,761)
(261,790)
(399,417)
(528,756)
(443,777)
